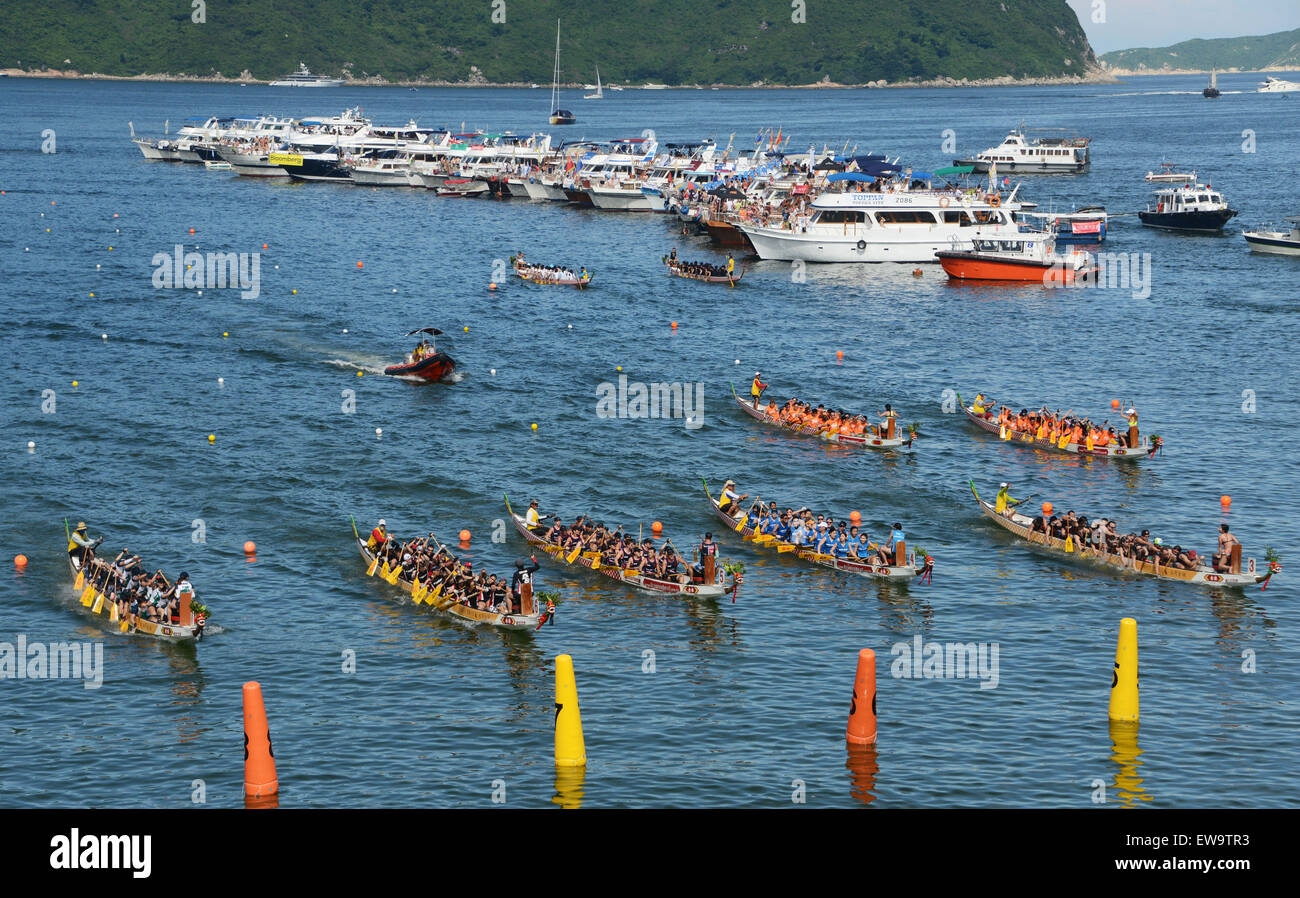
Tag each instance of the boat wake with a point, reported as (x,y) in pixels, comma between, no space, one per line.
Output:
(354,365)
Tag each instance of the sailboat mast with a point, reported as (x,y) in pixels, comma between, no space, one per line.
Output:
(555,74)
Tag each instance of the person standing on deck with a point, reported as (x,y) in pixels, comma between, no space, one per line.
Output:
(709,549)
(1222,560)
(731,265)
(756,388)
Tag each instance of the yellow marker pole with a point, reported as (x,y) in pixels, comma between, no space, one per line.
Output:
(1124,681)
(570,750)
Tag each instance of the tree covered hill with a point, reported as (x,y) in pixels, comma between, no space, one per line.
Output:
(1245,54)
(735,42)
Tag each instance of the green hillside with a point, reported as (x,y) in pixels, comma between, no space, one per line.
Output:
(1246,54)
(672,41)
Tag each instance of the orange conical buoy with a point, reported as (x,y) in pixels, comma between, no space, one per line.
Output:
(862,712)
(259,758)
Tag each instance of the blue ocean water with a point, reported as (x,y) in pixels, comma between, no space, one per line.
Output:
(743,699)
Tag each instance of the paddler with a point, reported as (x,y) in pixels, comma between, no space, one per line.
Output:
(709,550)
(83,547)
(378,535)
(1004,504)
(1222,560)
(757,387)
(729,504)
(532,520)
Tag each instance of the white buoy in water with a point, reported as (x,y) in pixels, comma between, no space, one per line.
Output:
(221,381)
(345,330)
(31,445)
(379,431)
(97,268)
(103,336)
(200,293)
(493,372)
(737,361)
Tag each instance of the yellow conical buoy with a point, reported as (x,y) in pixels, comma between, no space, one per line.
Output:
(1124,682)
(570,750)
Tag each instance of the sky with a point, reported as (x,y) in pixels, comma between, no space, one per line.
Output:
(1158,23)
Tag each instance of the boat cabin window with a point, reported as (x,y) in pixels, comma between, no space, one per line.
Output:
(836,216)
(958,216)
(904,216)
(988,216)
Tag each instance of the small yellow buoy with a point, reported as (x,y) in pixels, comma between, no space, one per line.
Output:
(74,383)
(225,333)
(467,328)
(359,373)
(212,438)
(534,425)
(295,292)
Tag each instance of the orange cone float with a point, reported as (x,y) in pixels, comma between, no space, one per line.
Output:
(259,758)
(862,712)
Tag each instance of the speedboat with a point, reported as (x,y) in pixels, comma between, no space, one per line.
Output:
(1191,207)
(431,365)
(1271,85)
(1167,175)
(1276,240)
(1026,256)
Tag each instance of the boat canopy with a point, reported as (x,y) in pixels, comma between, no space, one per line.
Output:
(850,176)
(431,331)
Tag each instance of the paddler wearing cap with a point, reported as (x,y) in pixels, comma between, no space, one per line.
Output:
(532,519)
(378,535)
(1005,505)
(80,545)
(756,388)
(729,503)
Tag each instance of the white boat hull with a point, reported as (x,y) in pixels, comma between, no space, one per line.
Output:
(619,199)
(388,178)
(878,244)
(1281,245)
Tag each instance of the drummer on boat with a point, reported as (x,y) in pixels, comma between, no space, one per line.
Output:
(730,502)
(1004,504)
(81,546)
(757,387)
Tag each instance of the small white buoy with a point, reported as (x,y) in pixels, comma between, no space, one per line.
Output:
(345,330)
(277,268)
(221,381)
(117,230)
(493,372)
(379,431)
(103,336)
(97,268)
(27,249)
(570,327)
(31,445)
(394,289)
(737,361)
(200,293)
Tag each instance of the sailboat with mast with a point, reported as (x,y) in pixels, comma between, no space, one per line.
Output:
(1212,89)
(558,116)
(599,94)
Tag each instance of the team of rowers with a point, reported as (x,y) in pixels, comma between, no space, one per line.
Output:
(620,550)
(1054,426)
(700,269)
(820,533)
(554,274)
(1101,538)
(796,413)
(447,577)
(127,586)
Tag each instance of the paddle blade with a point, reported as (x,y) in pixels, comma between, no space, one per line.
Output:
(88,596)
(124,626)
(393,575)
(383,571)
(99,603)
(786,547)
(112,613)
(80,583)
(370,571)
(572,556)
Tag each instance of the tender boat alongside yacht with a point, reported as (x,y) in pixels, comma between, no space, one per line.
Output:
(1029,256)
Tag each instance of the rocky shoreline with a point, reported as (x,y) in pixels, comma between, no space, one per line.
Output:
(1096,76)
